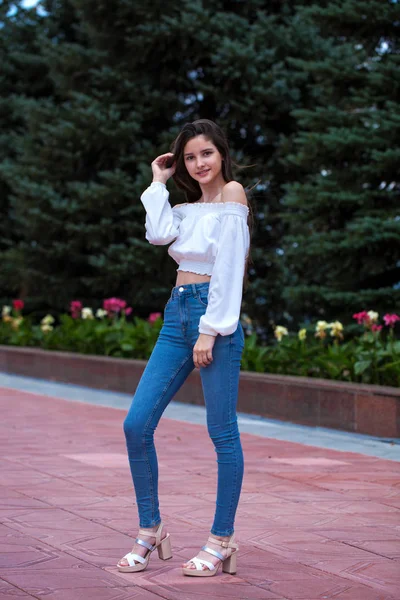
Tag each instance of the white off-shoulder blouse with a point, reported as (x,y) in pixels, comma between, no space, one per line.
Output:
(211,238)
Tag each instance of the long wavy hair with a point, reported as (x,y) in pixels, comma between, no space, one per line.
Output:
(190,186)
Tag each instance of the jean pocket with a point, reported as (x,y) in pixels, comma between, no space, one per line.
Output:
(202,299)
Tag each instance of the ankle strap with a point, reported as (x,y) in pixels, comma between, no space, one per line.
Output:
(156,534)
(224,543)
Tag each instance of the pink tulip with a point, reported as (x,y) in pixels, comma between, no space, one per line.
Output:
(114,305)
(75,308)
(18,304)
(153,317)
(376,327)
(390,320)
(362,317)
(128,311)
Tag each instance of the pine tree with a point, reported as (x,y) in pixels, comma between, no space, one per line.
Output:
(343,251)
(23,74)
(126,76)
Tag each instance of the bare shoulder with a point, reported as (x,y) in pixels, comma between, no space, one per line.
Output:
(233,191)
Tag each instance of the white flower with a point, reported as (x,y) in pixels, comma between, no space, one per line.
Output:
(47,320)
(6,311)
(46,327)
(373,316)
(336,328)
(87,313)
(101,313)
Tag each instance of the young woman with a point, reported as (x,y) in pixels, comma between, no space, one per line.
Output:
(201,329)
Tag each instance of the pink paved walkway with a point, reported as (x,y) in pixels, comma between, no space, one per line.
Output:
(311,524)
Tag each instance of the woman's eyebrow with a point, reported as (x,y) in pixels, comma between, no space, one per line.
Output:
(204,150)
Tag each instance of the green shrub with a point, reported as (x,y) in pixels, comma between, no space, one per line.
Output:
(372,357)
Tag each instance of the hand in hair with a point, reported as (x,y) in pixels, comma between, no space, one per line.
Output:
(161,171)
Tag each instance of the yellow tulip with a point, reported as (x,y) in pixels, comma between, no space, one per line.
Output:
(320,329)
(302,334)
(336,329)
(15,323)
(279,332)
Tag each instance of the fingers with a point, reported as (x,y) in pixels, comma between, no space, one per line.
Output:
(162,159)
(164,166)
(202,358)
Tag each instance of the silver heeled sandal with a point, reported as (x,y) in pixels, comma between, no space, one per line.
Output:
(228,562)
(139,563)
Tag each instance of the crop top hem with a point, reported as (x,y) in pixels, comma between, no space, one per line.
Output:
(196,266)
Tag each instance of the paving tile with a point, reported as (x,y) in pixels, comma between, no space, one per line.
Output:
(311,523)
(360,534)
(387,548)
(309,461)
(39,581)
(99,593)
(380,574)
(169,583)
(9,592)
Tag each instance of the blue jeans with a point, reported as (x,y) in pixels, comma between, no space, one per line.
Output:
(167,369)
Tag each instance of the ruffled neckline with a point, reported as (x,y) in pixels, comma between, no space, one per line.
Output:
(203,204)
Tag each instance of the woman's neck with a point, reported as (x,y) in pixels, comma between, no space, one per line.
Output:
(211,191)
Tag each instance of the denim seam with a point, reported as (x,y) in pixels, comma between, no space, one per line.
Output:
(145,430)
(230,420)
(230,531)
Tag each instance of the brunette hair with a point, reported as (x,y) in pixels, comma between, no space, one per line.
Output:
(190,186)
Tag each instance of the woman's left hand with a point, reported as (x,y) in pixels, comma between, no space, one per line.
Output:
(202,351)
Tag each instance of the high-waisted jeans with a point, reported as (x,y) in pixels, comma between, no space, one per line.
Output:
(168,367)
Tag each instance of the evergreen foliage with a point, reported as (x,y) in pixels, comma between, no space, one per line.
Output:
(343,247)
(101,88)
(23,75)
(126,76)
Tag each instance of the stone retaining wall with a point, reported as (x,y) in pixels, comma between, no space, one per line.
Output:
(361,408)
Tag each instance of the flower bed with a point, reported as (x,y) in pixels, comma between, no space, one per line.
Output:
(322,351)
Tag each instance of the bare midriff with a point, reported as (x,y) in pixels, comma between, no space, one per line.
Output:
(185,277)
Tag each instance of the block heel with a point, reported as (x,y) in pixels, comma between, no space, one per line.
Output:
(229,564)
(164,549)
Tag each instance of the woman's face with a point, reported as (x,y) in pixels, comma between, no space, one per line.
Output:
(202,159)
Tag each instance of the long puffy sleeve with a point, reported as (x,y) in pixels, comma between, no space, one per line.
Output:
(226,284)
(162,223)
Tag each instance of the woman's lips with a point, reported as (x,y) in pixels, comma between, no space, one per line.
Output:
(202,173)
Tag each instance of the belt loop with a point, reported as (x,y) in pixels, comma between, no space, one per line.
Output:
(194,291)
